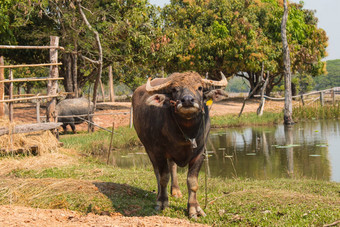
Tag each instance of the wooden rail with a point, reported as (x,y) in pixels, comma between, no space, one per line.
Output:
(31,79)
(299,96)
(30,47)
(30,65)
(29,98)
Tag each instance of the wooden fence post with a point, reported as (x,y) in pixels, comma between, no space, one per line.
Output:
(10,106)
(333,96)
(131,117)
(52,85)
(302,100)
(322,101)
(2,86)
(112,94)
(38,110)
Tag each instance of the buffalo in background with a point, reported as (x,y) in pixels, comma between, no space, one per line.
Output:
(69,107)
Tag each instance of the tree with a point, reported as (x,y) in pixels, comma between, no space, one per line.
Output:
(127,30)
(288,107)
(237,36)
(332,79)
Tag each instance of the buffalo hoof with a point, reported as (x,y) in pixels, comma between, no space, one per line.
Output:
(196,211)
(161,205)
(175,192)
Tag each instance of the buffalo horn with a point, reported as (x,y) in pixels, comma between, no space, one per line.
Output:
(150,88)
(222,83)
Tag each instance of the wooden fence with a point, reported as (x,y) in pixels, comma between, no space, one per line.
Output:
(52,80)
(314,96)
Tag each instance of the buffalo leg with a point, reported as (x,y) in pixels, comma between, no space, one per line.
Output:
(64,127)
(162,173)
(194,208)
(175,191)
(73,128)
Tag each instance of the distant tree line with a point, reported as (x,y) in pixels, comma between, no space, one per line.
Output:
(139,39)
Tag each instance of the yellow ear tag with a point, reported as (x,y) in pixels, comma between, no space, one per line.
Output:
(209,102)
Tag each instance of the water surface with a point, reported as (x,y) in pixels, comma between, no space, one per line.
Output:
(306,150)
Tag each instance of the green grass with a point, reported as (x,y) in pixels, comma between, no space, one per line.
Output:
(99,141)
(90,186)
(246,119)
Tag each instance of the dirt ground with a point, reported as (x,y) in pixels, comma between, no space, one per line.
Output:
(25,216)
(119,112)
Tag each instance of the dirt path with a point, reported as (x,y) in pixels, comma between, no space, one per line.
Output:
(25,216)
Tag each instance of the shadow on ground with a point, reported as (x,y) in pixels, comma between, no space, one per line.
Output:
(131,201)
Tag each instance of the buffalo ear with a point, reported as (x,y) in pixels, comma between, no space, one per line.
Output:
(216,95)
(158,100)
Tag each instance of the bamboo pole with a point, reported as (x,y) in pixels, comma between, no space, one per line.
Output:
(30,65)
(31,79)
(32,95)
(29,47)
(10,96)
(2,86)
(29,98)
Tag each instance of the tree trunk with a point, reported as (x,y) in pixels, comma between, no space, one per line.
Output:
(52,86)
(288,107)
(68,82)
(100,58)
(75,73)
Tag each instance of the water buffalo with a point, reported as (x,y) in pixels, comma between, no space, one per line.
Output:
(77,106)
(172,121)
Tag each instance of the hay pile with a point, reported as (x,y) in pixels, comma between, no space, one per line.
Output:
(27,143)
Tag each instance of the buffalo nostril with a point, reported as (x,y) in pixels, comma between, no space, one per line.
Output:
(188,100)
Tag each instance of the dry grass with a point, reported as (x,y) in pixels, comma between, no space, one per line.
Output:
(43,141)
(41,162)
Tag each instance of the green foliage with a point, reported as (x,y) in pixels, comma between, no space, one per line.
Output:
(237,84)
(237,36)
(140,40)
(332,79)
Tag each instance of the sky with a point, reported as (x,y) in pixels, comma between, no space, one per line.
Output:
(326,11)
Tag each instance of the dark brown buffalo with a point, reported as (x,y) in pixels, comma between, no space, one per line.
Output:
(172,121)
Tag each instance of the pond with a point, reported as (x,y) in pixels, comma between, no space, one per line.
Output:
(305,150)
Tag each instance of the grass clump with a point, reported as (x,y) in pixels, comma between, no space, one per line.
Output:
(99,141)
(316,111)
(246,119)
